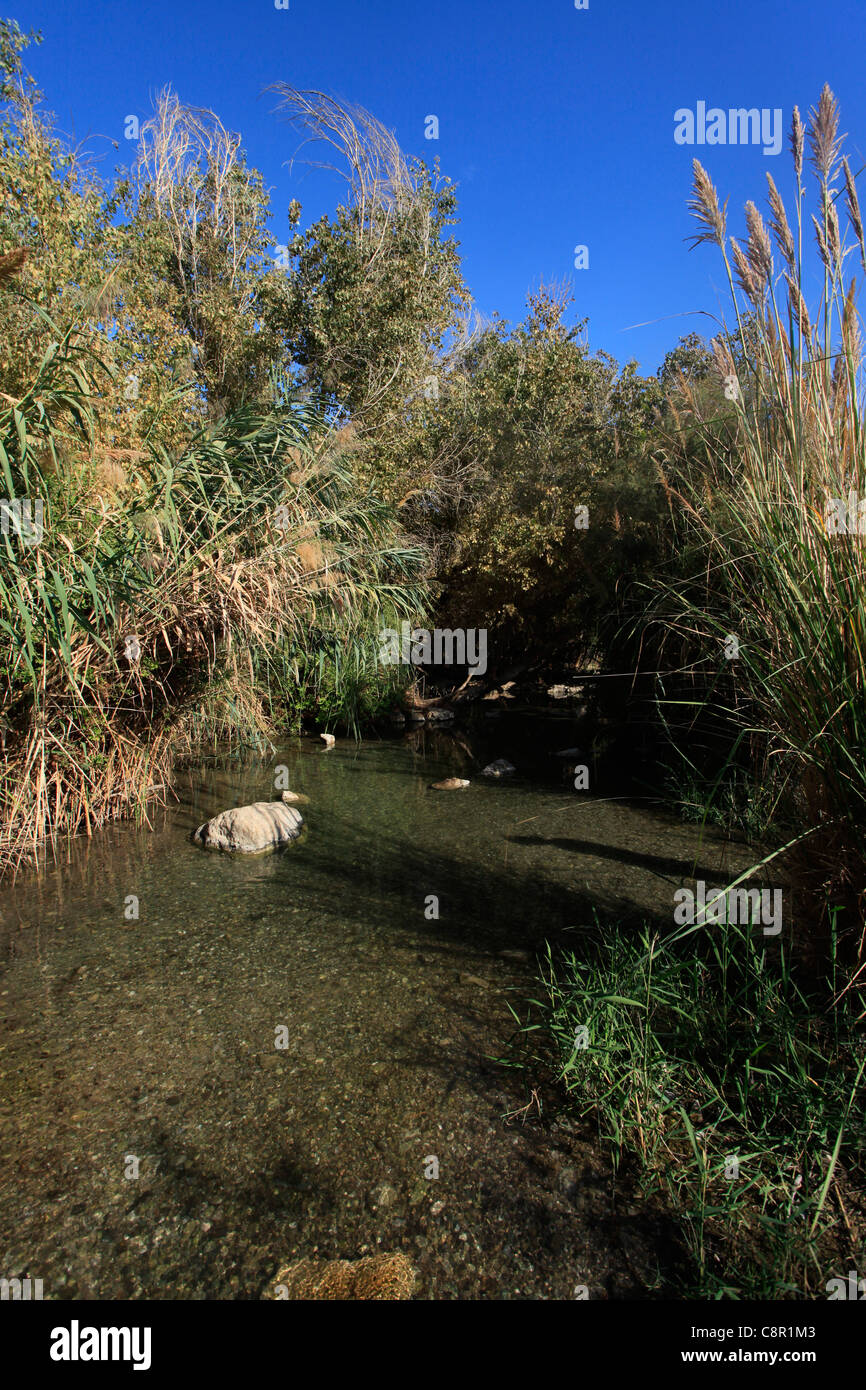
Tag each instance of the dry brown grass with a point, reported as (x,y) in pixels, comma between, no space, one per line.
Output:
(224,571)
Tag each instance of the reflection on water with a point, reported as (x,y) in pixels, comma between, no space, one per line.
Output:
(147,1046)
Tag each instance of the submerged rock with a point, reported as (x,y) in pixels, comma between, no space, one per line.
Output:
(251,829)
(500,767)
(450,784)
(386,1276)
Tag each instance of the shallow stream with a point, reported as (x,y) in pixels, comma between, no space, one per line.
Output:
(148,1046)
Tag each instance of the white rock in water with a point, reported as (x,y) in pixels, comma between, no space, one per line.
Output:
(251,829)
(328,740)
(500,768)
(564,692)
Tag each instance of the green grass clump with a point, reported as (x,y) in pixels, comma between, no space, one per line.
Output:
(702,1057)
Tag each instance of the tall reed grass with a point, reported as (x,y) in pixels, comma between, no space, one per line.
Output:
(174,599)
(773,566)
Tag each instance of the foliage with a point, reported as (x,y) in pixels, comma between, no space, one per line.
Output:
(694,1050)
(214,564)
(235,569)
(774,564)
(544,428)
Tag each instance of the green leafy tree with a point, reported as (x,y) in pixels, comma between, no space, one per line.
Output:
(547,428)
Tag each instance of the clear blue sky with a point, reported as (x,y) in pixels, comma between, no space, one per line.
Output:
(556,123)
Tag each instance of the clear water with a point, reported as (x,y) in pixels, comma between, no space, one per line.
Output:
(149,1045)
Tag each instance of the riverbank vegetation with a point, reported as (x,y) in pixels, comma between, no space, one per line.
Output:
(713,1068)
(207,562)
(730,1066)
(252,454)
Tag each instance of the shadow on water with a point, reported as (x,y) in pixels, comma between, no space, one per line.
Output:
(213,1065)
(673,870)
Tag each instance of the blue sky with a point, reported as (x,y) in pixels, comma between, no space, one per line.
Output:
(556,123)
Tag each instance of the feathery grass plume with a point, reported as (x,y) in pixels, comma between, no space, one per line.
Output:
(852,339)
(704,207)
(852,204)
(760,253)
(796,140)
(12,262)
(786,347)
(767,564)
(824,139)
(822,244)
(722,357)
(749,283)
(834,239)
(838,383)
(780,225)
(772,328)
(799,312)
